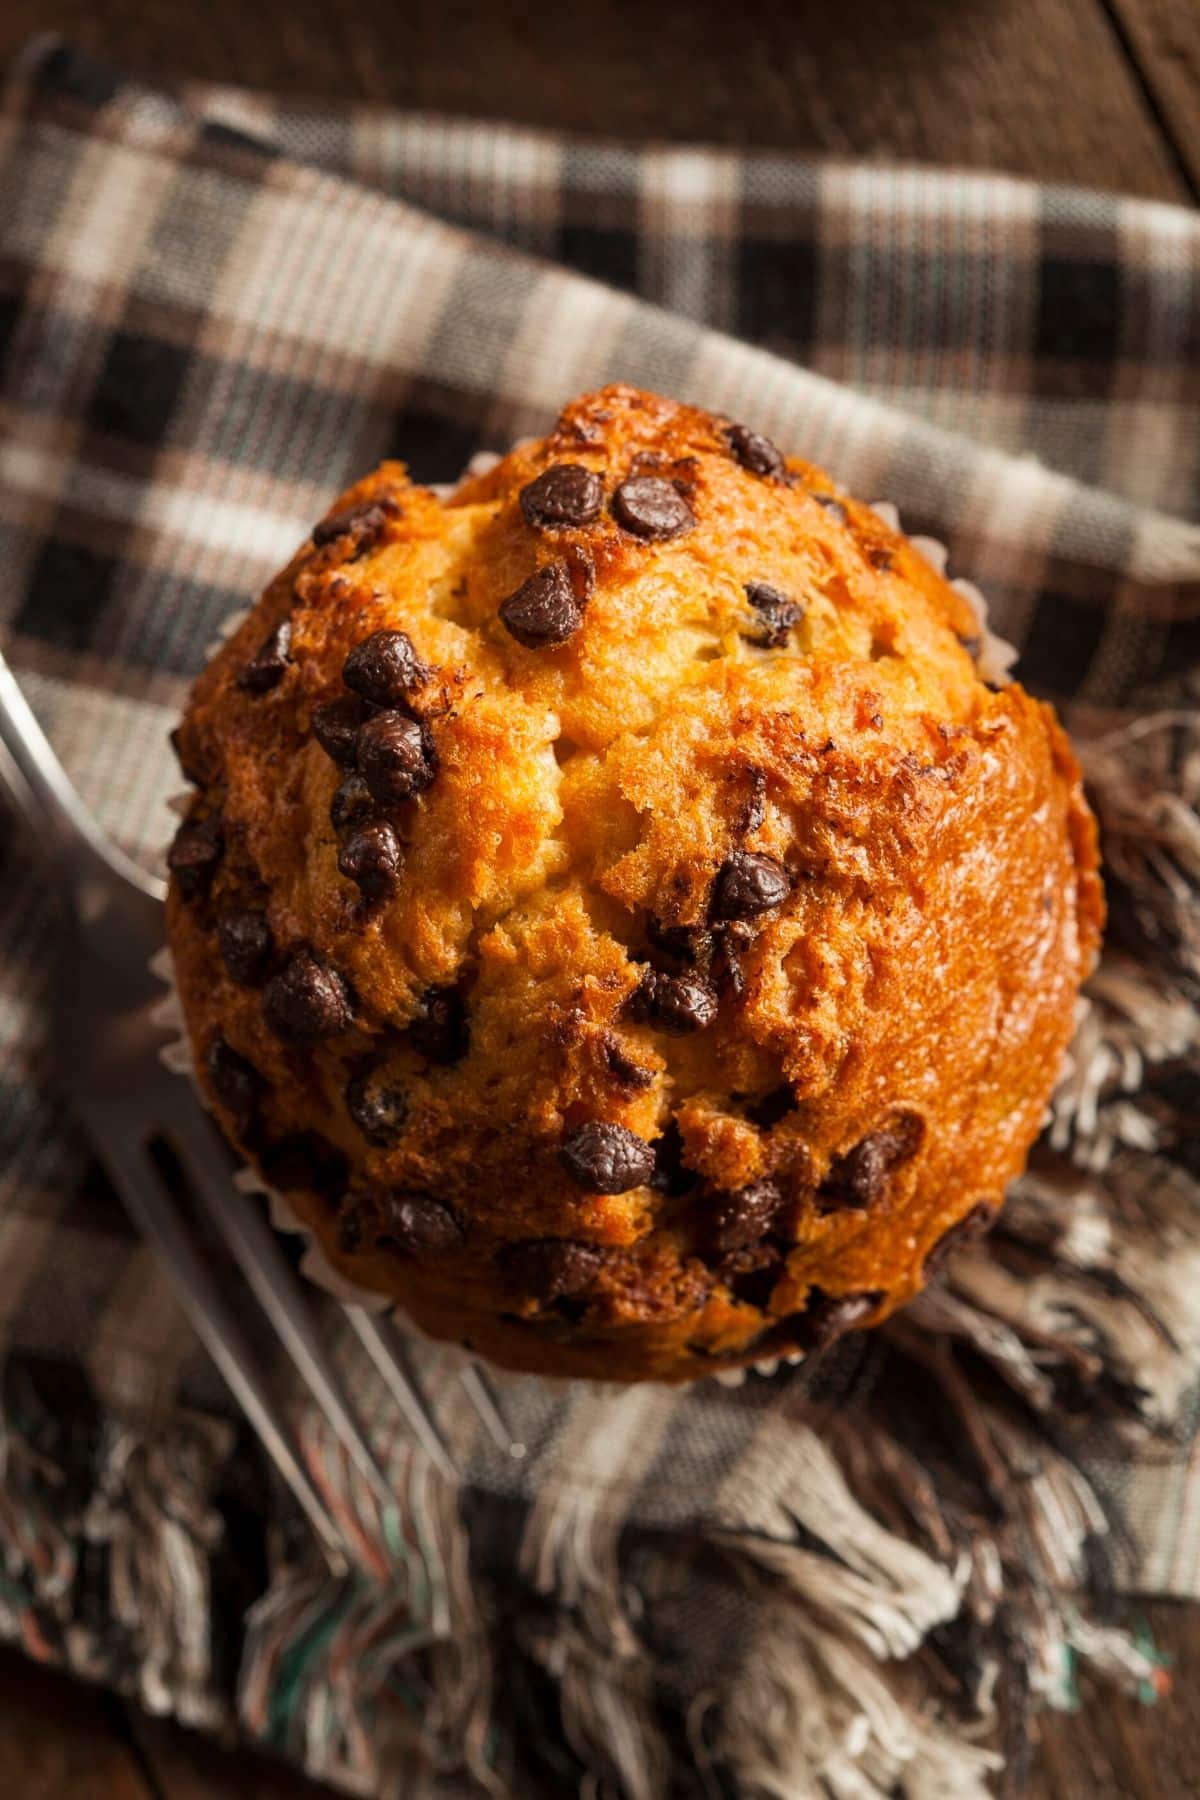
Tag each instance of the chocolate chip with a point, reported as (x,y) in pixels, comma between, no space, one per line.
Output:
(671,1174)
(352,804)
(860,1177)
(336,727)
(568,1313)
(548,1269)
(690,944)
(378,1108)
(626,1071)
(237,1083)
(544,610)
(770,1108)
(439,1030)
(565,494)
(607,1158)
(189,767)
(832,505)
(652,508)
(363,525)
(776,614)
(306,1159)
(731,943)
(418,1225)
(396,757)
(737,1220)
(371,859)
(748,884)
(639,1004)
(384,668)
(968,1230)
(751,1275)
(306,1001)
(826,1318)
(194,855)
(675,1003)
(269,664)
(753,451)
(245,942)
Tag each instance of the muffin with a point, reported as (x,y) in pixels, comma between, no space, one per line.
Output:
(613,907)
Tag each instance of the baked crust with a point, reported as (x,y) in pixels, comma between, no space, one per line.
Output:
(720,845)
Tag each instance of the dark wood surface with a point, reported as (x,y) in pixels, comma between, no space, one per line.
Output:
(1096,91)
(62,1741)
(1105,92)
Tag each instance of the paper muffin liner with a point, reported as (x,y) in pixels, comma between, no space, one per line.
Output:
(176,1055)
(994,661)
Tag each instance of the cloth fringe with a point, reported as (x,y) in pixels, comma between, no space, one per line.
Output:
(127,1564)
(895,1583)
(923,1578)
(379,1682)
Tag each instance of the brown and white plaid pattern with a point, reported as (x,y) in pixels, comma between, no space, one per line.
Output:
(216,309)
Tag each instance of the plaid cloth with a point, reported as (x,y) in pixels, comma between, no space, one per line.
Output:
(215,310)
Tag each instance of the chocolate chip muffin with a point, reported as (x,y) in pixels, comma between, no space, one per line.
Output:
(614,908)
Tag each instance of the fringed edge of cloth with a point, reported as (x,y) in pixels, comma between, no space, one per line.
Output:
(881,1599)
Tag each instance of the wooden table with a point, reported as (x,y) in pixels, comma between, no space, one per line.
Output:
(1104,92)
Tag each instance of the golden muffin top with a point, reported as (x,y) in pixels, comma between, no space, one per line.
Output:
(615,905)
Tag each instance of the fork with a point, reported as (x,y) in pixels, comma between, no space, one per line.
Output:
(153,1137)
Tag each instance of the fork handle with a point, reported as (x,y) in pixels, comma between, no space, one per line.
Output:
(219,1331)
(209,1168)
(46,798)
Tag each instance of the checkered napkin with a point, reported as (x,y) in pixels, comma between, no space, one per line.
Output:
(215,310)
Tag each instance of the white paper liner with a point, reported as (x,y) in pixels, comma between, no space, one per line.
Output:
(994,662)
(176,1055)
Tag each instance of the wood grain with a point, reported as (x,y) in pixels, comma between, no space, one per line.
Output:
(1036,87)
(1162,40)
(1115,1748)
(60,1741)
(185,1766)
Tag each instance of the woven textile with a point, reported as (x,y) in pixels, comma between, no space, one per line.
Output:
(214,312)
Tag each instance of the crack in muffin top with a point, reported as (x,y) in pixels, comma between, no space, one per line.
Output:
(665,767)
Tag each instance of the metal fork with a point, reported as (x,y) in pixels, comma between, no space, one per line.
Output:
(152,1134)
